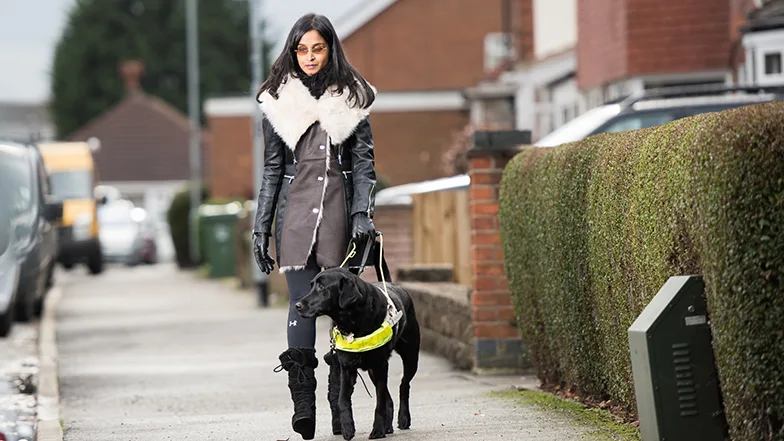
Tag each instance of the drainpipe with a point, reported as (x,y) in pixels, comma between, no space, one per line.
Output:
(506,28)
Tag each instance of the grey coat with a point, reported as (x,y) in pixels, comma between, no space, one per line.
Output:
(318,172)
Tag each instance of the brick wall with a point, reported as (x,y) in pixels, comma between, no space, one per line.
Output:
(601,31)
(430,44)
(738,11)
(409,145)
(231,157)
(667,36)
(626,38)
(497,341)
(523,29)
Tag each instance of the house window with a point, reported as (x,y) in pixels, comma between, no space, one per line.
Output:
(773,63)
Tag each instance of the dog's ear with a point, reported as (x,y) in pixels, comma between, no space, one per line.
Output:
(349,292)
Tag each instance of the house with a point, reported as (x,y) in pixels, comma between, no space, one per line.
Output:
(143,149)
(536,90)
(763,45)
(421,55)
(588,52)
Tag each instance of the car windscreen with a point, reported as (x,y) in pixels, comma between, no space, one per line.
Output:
(580,127)
(72,184)
(638,120)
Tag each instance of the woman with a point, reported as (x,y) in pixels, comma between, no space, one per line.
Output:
(319,174)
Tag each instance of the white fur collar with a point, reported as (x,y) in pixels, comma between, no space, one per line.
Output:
(296,110)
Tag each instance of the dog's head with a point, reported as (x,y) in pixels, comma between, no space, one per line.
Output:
(331,291)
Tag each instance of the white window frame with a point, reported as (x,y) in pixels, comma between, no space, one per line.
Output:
(758,45)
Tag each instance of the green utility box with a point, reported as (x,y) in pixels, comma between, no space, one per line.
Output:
(217,225)
(675,377)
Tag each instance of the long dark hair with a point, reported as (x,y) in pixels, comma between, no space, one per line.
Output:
(339,73)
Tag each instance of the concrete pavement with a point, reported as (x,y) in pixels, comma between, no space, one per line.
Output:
(150,353)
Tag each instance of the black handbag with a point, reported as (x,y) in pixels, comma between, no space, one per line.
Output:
(368,253)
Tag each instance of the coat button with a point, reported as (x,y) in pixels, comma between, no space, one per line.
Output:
(321,147)
(315,211)
(321,178)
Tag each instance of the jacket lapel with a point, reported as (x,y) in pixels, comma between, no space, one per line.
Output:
(296,110)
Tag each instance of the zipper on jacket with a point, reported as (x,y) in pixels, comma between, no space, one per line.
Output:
(370,198)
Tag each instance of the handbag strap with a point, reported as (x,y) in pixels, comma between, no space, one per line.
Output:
(382,269)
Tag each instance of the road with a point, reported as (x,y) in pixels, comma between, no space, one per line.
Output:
(151,353)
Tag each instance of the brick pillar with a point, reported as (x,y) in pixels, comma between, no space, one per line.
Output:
(497,343)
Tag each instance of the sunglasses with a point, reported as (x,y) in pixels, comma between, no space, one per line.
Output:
(318,50)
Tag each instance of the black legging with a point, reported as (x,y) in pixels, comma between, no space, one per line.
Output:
(301,331)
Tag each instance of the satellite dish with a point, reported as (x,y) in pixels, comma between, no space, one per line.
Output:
(94,144)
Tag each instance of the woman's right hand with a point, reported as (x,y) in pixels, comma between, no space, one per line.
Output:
(261,252)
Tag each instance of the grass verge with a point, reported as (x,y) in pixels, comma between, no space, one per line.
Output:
(602,425)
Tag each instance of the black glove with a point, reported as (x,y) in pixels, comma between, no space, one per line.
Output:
(261,252)
(362,227)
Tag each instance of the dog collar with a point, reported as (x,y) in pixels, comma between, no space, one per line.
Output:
(349,343)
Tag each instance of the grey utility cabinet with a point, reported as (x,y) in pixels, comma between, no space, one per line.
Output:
(675,378)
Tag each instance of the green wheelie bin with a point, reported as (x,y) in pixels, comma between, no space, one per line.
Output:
(217,227)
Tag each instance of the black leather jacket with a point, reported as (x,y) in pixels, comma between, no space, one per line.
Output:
(356,162)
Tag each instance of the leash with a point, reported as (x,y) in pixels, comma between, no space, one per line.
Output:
(393,314)
(382,335)
(353,252)
(350,254)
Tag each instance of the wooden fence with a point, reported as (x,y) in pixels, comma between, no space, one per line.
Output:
(442,231)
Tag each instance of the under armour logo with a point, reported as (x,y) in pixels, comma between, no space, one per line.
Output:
(293,323)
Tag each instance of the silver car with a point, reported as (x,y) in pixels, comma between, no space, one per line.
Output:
(10,261)
(123,230)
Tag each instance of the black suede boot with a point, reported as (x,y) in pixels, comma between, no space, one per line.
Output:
(300,364)
(333,389)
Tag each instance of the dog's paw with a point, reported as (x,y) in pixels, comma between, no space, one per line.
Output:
(347,430)
(404,421)
(378,433)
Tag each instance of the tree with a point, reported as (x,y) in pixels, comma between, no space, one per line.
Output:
(100,34)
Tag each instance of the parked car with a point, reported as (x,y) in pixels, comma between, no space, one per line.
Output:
(10,266)
(655,107)
(126,235)
(28,236)
(34,212)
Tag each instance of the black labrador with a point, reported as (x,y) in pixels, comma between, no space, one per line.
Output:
(360,308)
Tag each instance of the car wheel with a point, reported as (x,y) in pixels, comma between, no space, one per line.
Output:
(50,276)
(25,302)
(7,321)
(95,264)
(39,306)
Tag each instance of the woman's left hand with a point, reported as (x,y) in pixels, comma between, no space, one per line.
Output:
(361,226)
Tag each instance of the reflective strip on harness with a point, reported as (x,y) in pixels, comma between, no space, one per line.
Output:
(349,343)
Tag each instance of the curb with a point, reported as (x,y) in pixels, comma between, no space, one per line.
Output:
(49,428)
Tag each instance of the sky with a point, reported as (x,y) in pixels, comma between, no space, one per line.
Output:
(29,30)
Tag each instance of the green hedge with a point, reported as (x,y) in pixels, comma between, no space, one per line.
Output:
(177,218)
(591,230)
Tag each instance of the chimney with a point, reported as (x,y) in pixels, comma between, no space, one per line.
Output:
(131,71)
